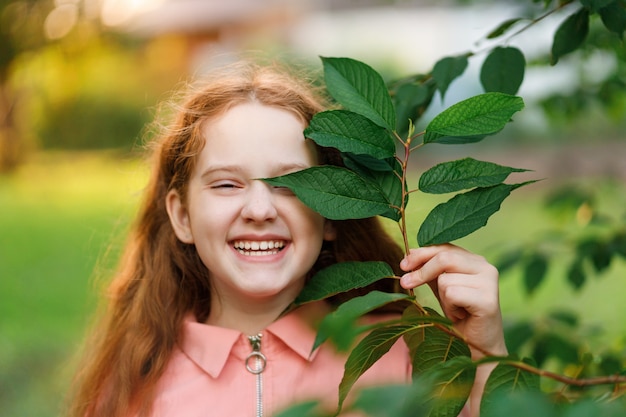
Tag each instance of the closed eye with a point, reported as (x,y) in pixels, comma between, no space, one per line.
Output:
(224,186)
(283,190)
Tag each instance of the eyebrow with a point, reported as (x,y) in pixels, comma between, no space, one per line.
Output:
(281,169)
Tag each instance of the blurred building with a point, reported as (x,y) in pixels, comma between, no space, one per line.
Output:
(403,33)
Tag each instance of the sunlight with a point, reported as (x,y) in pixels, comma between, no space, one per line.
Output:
(61,19)
(118,12)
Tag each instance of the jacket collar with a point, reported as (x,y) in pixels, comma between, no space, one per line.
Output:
(210,346)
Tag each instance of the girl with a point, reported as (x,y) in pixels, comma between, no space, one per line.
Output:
(193,327)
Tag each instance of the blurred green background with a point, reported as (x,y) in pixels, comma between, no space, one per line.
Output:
(80,80)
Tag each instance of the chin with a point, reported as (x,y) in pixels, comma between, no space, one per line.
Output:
(269,291)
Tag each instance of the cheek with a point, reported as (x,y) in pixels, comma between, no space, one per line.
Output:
(314,222)
(211,213)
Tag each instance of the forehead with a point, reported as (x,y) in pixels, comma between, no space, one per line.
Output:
(256,133)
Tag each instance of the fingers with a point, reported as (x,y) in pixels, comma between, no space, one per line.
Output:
(466,286)
(428,263)
(462,296)
(464,283)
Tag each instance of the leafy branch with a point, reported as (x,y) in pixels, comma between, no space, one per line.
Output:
(374,181)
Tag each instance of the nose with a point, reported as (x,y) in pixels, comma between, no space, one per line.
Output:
(259,205)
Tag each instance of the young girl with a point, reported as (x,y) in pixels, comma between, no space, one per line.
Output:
(194,324)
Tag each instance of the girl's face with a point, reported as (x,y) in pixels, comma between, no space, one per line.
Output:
(257,241)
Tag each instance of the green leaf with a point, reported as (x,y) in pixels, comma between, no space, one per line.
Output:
(556,346)
(586,407)
(350,132)
(502,28)
(398,400)
(598,251)
(305,409)
(432,316)
(618,243)
(359,88)
(342,277)
(568,199)
(601,256)
(576,274)
(614,17)
(503,70)
(411,99)
(388,180)
(462,214)
(570,35)
(336,193)
(595,5)
(504,381)
(472,119)
(564,317)
(611,364)
(452,383)
(413,315)
(534,272)
(340,325)
(364,164)
(463,174)
(447,70)
(437,347)
(517,334)
(508,260)
(366,353)
(522,404)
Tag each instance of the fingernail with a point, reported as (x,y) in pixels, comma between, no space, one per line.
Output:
(405,281)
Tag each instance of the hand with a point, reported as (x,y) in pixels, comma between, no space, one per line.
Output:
(466,286)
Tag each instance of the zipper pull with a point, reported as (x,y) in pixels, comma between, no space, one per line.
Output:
(260,359)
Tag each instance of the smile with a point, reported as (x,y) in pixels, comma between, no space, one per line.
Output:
(259,248)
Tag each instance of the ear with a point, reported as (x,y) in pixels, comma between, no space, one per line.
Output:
(179,217)
(330,233)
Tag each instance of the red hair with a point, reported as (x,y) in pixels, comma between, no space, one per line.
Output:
(161,279)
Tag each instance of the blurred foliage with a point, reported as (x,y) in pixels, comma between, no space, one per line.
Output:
(92,92)
(586,234)
(21,31)
(90,89)
(588,42)
(596,97)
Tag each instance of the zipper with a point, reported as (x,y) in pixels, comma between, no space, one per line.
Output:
(255,364)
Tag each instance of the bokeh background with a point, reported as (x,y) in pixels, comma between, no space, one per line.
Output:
(80,81)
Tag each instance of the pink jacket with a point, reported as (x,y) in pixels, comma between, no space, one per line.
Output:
(207,376)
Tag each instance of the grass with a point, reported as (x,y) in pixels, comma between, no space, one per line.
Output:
(60,214)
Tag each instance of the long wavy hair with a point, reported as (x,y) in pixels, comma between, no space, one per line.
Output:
(160,279)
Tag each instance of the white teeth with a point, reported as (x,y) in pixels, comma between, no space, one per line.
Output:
(259,248)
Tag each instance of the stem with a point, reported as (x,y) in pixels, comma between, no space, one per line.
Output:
(537,20)
(526,27)
(578,382)
(403,181)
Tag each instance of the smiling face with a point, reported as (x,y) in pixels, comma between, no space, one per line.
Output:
(257,241)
